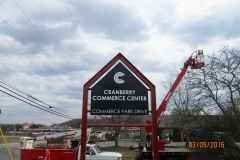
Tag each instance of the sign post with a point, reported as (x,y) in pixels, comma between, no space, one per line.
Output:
(119,88)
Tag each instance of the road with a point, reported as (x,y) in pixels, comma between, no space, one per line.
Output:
(4,155)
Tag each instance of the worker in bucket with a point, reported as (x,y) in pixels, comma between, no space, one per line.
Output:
(46,153)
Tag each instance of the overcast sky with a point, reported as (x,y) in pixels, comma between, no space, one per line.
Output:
(50,49)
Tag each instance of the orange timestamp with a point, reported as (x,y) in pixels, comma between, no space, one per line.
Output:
(206,144)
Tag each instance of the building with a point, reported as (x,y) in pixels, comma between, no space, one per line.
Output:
(166,130)
(25,125)
(45,128)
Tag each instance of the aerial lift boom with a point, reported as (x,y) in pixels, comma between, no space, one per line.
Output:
(195,61)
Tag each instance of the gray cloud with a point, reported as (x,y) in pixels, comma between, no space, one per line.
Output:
(219,20)
(116,21)
(77,38)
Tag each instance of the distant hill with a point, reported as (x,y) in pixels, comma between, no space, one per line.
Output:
(72,123)
(75,123)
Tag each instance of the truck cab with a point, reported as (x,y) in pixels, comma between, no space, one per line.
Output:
(93,152)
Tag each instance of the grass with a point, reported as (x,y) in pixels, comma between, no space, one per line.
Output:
(128,154)
(10,139)
(125,151)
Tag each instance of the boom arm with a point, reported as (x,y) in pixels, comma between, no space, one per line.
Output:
(195,61)
(163,105)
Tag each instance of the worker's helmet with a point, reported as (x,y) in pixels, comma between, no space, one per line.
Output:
(44,147)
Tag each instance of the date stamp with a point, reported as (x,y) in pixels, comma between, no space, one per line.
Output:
(206,144)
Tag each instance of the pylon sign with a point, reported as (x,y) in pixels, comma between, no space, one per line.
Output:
(119,92)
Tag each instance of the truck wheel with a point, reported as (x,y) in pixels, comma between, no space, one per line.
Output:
(171,158)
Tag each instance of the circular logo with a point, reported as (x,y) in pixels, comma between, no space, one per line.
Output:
(116,77)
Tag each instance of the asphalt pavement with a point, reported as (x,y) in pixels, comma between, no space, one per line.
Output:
(4,154)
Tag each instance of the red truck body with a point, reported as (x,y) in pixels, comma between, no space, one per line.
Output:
(56,154)
(62,153)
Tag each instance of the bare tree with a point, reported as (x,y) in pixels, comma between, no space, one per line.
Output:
(120,119)
(115,119)
(183,105)
(219,96)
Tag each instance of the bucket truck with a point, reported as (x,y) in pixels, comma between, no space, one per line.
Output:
(195,61)
(70,151)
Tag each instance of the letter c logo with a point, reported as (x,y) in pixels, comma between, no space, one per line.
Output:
(116,77)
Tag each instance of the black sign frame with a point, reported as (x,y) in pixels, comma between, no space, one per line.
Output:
(119,92)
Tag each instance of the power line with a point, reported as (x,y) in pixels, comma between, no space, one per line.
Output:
(32,101)
(21,67)
(21,78)
(30,96)
(33,55)
(12,87)
(39,59)
(26,71)
(30,62)
(43,39)
(44,108)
